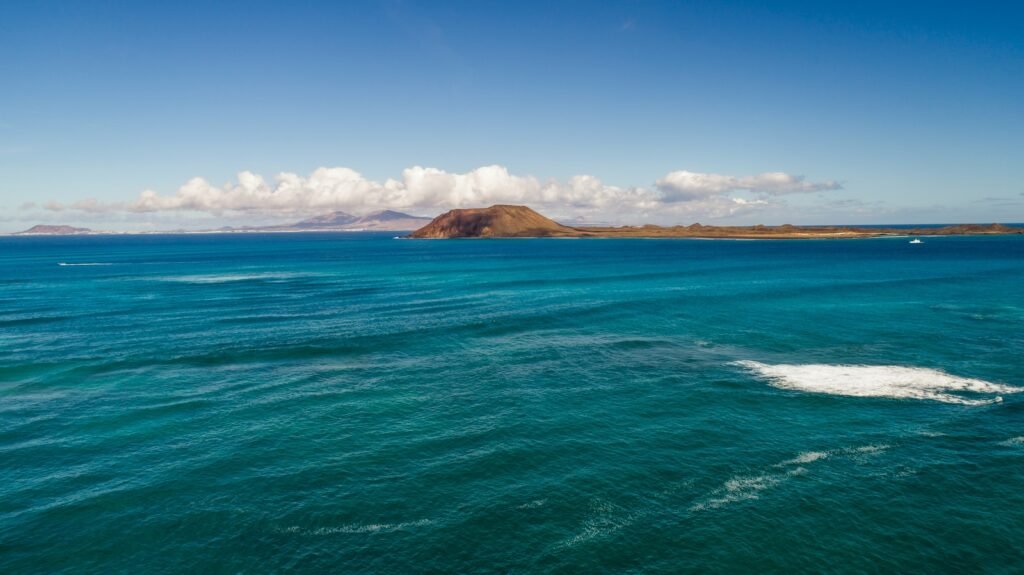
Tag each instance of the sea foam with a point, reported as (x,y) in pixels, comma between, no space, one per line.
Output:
(355,529)
(750,487)
(880,381)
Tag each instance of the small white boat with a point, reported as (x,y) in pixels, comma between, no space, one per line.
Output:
(916,241)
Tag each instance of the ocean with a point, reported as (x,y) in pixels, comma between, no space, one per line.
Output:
(355,403)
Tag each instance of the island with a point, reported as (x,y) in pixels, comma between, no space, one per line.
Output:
(47,230)
(506,221)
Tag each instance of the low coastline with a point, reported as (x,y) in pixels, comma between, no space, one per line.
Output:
(503,221)
(625,232)
(509,222)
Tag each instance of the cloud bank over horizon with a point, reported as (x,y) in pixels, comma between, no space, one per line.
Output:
(425,190)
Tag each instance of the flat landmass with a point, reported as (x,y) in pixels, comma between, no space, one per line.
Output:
(503,221)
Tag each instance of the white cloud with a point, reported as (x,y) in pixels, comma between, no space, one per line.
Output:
(677,195)
(685,186)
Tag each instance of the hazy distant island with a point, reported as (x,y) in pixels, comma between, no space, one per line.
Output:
(503,221)
(46,230)
(382,220)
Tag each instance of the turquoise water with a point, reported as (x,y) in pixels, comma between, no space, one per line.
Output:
(359,404)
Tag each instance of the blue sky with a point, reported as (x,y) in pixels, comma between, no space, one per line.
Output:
(879,112)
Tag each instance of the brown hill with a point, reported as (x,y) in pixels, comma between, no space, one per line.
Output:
(494,222)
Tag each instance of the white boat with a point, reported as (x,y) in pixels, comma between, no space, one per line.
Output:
(916,241)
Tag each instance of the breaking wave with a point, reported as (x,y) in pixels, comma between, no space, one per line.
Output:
(890,381)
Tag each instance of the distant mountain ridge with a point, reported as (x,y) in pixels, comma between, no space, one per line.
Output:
(389,215)
(389,220)
(331,219)
(381,220)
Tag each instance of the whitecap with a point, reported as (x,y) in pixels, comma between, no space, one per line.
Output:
(1013,442)
(68,264)
(805,457)
(890,381)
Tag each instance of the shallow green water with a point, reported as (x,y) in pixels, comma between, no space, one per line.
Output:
(356,404)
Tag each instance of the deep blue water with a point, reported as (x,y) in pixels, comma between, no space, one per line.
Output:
(351,403)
